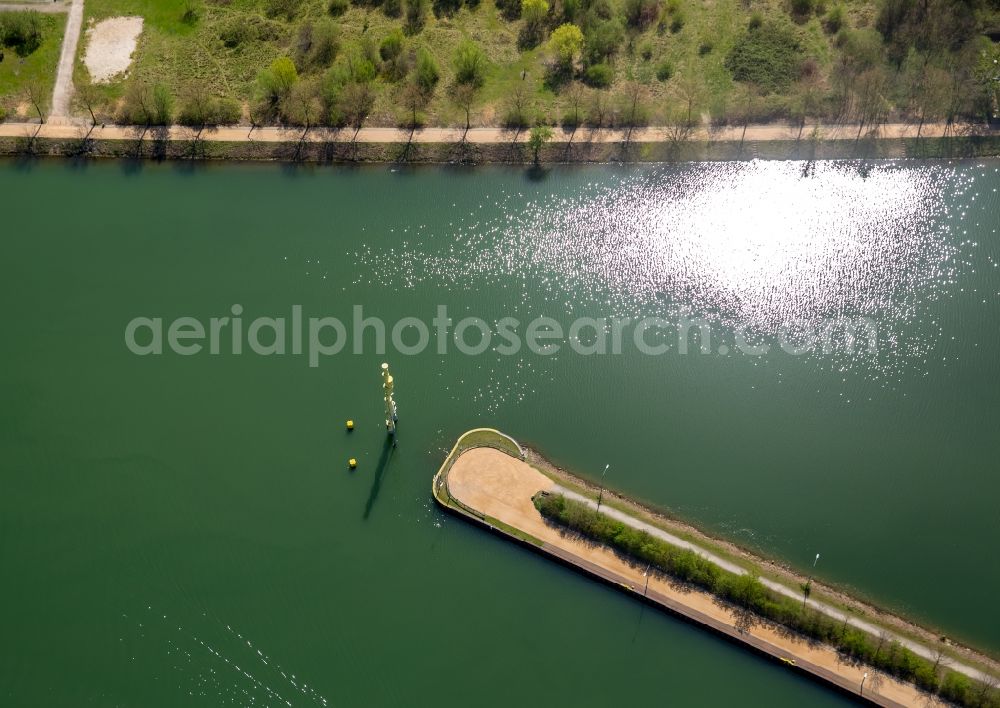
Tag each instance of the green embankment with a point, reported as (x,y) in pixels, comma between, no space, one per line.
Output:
(514,62)
(755,602)
(29,53)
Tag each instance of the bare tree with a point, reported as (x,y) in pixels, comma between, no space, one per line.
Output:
(690,91)
(744,111)
(414,99)
(463,96)
(517,106)
(256,113)
(356,102)
(872,105)
(597,112)
(932,95)
(807,104)
(87,98)
(634,108)
(748,592)
(940,660)
(988,690)
(876,678)
(575,96)
(883,638)
(34,91)
(304,106)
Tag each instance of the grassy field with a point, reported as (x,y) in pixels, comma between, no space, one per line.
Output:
(640,61)
(35,70)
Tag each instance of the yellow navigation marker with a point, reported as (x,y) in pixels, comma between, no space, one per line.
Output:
(350,425)
(352,463)
(390,402)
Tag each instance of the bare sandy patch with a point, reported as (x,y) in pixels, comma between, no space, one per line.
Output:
(110,45)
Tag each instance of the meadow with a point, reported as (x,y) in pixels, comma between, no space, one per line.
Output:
(518,63)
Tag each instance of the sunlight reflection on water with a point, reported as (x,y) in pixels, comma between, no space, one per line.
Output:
(749,245)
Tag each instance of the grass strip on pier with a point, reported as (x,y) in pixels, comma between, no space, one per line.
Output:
(753,602)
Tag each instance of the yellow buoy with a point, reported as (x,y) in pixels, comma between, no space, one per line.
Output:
(350,425)
(352,463)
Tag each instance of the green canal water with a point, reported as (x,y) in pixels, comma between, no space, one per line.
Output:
(183,530)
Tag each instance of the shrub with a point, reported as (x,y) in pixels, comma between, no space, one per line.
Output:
(286,9)
(570,10)
(836,18)
(566,43)
(163,106)
(756,20)
(392,8)
(200,109)
(426,73)
(242,30)
(391,46)
(664,70)
(337,7)
(510,9)
(325,44)
(146,105)
(570,121)
(469,63)
(22,31)
(641,13)
(540,135)
(416,15)
(192,12)
(646,51)
(746,592)
(602,40)
(275,82)
(956,688)
(360,69)
(677,23)
(316,46)
(534,13)
(446,8)
(705,47)
(767,56)
(599,75)
(803,8)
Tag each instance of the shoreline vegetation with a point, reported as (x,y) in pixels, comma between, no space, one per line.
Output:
(885,655)
(754,603)
(537,67)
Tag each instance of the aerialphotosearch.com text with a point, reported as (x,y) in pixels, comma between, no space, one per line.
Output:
(317,338)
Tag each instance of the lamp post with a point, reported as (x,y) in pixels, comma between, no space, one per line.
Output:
(861,691)
(601,495)
(646,589)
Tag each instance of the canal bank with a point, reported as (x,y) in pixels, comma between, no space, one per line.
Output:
(489,478)
(495,145)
